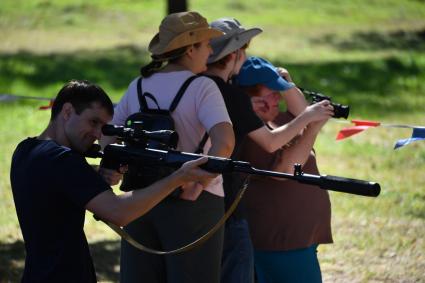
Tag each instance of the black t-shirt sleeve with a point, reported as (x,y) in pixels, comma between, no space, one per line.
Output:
(239,107)
(77,180)
(246,119)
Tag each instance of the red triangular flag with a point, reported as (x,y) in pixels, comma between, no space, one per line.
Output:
(365,123)
(47,106)
(348,132)
(360,125)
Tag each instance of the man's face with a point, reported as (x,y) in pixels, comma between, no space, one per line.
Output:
(82,130)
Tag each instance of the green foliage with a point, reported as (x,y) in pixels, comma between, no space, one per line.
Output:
(367,54)
(42,75)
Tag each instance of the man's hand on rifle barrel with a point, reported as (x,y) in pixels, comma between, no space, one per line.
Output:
(192,189)
(190,171)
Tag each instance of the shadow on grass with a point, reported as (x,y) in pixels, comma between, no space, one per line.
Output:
(115,67)
(376,84)
(372,41)
(105,256)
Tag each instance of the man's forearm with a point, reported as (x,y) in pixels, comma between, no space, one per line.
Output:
(123,208)
(137,202)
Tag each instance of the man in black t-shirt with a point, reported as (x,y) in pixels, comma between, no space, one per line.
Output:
(53,185)
(225,62)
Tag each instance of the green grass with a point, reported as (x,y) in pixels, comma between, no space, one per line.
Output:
(367,54)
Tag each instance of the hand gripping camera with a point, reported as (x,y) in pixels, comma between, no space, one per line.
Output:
(340,110)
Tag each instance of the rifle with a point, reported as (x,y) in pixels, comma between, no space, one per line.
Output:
(138,154)
(115,155)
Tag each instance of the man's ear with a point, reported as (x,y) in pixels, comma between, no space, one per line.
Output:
(67,110)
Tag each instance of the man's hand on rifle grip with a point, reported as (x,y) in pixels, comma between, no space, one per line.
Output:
(111,176)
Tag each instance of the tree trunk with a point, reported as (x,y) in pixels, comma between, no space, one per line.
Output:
(175,6)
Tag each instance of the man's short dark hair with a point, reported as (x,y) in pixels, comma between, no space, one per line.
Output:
(81,94)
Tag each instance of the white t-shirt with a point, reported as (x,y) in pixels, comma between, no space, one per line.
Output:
(201,107)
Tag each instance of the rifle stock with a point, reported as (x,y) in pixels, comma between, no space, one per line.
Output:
(115,155)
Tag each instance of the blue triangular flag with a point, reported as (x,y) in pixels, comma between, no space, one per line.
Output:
(417,135)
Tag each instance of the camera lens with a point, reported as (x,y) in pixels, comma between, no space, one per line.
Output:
(341,111)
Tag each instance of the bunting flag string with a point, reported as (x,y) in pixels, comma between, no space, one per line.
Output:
(10,97)
(359,125)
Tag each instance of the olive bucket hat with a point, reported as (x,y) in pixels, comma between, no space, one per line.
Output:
(235,37)
(181,29)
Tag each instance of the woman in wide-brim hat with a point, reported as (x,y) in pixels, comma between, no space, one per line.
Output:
(179,51)
(178,35)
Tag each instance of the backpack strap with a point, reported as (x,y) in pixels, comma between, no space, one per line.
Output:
(142,97)
(142,100)
(180,93)
(200,149)
(175,102)
(144,105)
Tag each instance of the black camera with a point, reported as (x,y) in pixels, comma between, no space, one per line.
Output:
(340,110)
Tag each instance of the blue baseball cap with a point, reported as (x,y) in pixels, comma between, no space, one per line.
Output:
(256,70)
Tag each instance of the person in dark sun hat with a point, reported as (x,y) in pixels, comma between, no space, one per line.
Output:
(235,37)
(229,53)
(179,52)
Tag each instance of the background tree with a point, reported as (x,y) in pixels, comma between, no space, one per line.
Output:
(174,6)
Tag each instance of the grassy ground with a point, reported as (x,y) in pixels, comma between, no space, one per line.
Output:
(368,54)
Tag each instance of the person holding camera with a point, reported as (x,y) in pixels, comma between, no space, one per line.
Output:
(229,53)
(287,219)
(180,51)
(53,186)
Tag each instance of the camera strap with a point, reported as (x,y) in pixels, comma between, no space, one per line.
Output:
(124,235)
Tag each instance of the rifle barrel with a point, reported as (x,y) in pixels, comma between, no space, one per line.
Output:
(327,182)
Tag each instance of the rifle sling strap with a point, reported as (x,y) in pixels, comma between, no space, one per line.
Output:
(124,235)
